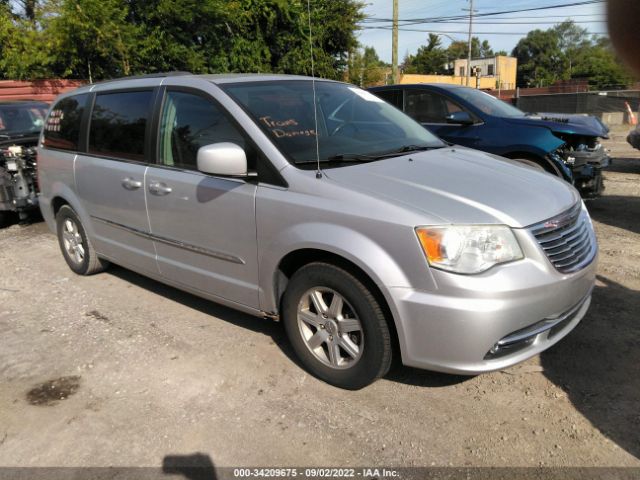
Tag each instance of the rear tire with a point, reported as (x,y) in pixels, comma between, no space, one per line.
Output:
(76,247)
(336,326)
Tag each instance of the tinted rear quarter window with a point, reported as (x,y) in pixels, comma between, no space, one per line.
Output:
(118,124)
(62,128)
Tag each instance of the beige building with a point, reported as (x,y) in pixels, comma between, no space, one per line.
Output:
(486,73)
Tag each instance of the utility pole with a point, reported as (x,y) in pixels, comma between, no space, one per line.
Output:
(394,44)
(470,34)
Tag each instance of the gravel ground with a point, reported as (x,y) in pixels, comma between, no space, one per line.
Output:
(118,370)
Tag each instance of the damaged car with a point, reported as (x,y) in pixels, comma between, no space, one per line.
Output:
(567,146)
(20,124)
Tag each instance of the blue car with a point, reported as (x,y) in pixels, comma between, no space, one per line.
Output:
(565,145)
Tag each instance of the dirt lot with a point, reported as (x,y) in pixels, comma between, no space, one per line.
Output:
(141,371)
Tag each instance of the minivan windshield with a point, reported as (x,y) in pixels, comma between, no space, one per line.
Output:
(488,103)
(352,125)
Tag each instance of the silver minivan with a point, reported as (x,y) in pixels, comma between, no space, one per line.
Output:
(316,203)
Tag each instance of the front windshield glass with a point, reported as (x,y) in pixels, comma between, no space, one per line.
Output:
(21,119)
(488,103)
(353,125)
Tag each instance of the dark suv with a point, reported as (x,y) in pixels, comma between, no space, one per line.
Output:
(565,145)
(20,125)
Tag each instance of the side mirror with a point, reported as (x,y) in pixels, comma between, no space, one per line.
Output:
(224,158)
(460,118)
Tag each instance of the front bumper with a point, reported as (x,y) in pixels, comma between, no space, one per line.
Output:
(459,328)
(12,203)
(586,166)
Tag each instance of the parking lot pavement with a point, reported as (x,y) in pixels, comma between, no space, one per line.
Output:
(119,370)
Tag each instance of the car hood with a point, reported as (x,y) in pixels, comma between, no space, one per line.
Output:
(462,186)
(563,123)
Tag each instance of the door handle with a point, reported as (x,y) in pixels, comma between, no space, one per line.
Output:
(131,184)
(159,188)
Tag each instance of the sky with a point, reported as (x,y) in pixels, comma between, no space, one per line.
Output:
(590,16)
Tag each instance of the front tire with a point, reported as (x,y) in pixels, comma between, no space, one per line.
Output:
(76,248)
(336,326)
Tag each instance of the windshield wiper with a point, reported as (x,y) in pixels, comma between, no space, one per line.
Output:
(363,158)
(409,149)
(378,156)
(350,157)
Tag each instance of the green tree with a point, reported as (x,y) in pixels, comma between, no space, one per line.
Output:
(90,39)
(365,68)
(105,38)
(485,49)
(541,61)
(433,59)
(333,34)
(429,59)
(23,48)
(567,51)
(29,8)
(600,65)
(188,35)
(460,49)
(571,40)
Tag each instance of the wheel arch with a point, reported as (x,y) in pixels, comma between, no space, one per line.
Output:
(537,159)
(61,194)
(57,203)
(296,259)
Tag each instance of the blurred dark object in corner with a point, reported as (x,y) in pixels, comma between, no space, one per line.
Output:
(624,18)
(197,466)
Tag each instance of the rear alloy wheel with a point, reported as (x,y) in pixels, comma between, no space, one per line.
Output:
(75,245)
(336,326)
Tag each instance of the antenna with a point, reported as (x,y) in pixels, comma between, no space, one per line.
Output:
(313,86)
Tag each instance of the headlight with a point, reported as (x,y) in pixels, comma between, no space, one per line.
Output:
(468,248)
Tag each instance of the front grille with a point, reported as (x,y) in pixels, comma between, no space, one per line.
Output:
(567,240)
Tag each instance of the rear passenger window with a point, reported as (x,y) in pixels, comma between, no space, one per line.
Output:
(189,122)
(118,124)
(394,97)
(62,129)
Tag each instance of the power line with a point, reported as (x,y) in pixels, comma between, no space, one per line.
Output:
(412,21)
(560,15)
(520,23)
(456,32)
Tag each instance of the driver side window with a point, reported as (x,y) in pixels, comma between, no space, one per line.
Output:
(189,122)
(429,107)
(425,107)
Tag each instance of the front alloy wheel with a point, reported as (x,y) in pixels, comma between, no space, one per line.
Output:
(336,326)
(330,328)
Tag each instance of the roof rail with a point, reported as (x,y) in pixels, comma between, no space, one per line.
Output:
(148,75)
